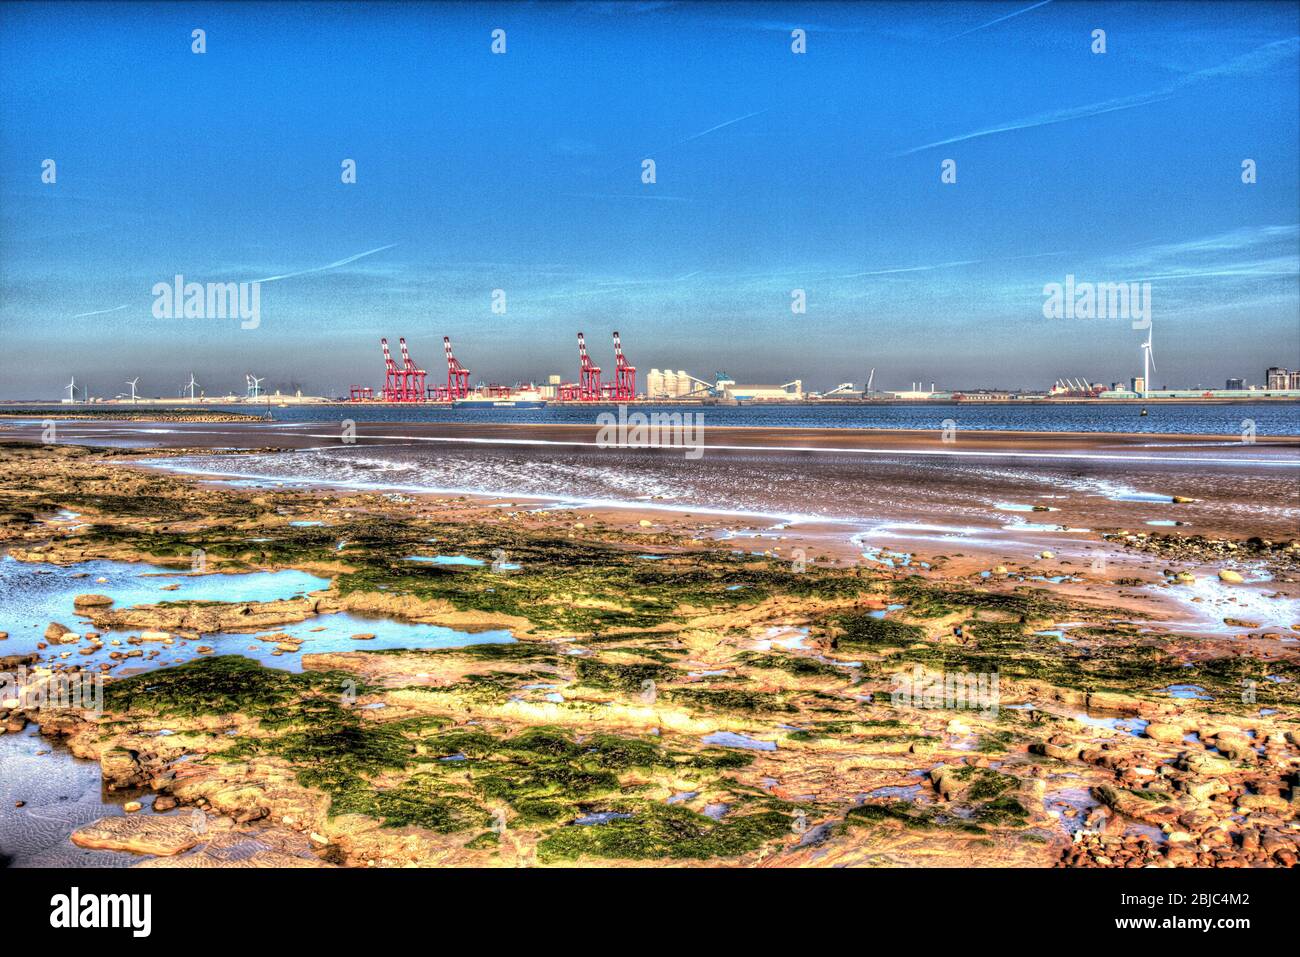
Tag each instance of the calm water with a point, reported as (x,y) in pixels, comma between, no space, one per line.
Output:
(1270,418)
(32,595)
(1208,418)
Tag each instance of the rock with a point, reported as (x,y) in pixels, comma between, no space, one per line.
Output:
(1235,747)
(130,807)
(163,836)
(1000,570)
(60,634)
(1185,578)
(1208,764)
(155,636)
(287,646)
(1130,804)
(92,601)
(1113,701)
(1240,623)
(1204,790)
(1164,733)
(644,523)
(1264,802)
(1046,555)
(1229,576)
(364,636)
(947,783)
(1058,747)
(164,802)
(956,726)
(1183,500)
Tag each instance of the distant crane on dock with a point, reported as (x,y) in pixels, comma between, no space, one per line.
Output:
(457,374)
(413,377)
(588,374)
(624,373)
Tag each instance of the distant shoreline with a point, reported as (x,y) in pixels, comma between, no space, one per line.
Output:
(648,403)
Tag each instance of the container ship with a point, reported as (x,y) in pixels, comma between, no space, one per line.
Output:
(498,398)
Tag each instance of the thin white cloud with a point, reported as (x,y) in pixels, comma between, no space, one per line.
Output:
(98,312)
(983,26)
(1259,60)
(333,265)
(714,129)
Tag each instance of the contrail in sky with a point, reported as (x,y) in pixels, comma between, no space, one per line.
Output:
(1257,61)
(333,265)
(998,20)
(713,129)
(98,312)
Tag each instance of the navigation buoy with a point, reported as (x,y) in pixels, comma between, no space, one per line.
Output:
(1143,412)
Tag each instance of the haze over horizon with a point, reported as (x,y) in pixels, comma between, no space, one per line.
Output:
(522,172)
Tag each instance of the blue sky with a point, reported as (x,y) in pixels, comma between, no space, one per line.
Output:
(522,172)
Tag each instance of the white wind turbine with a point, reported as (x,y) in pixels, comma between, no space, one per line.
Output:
(255,385)
(1148,362)
(132,384)
(191,386)
(72,389)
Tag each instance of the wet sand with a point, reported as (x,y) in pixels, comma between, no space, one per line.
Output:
(906,500)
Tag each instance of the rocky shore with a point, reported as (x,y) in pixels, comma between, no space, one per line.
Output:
(708,706)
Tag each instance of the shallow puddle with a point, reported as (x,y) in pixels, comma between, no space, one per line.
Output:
(60,793)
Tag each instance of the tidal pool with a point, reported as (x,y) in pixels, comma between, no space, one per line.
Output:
(60,793)
(731,739)
(323,633)
(33,594)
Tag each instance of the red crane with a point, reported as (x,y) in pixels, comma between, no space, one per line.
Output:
(457,374)
(588,374)
(624,373)
(394,380)
(412,377)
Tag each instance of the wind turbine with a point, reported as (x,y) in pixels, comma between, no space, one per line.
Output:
(132,384)
(1148,363)
(254,385)
(191,386)
(72,389)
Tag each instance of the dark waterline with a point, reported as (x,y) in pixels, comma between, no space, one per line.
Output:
(1270,419)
